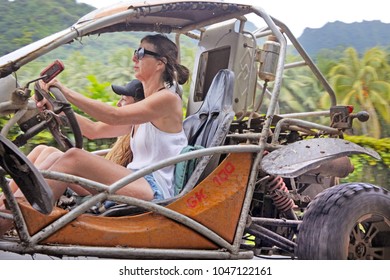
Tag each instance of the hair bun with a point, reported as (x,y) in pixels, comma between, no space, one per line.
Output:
(182,74)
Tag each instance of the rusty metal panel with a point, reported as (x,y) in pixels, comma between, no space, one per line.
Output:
(215,203)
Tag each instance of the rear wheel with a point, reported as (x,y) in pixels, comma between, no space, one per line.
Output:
(348,221)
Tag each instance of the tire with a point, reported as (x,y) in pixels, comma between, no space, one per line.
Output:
(348,221)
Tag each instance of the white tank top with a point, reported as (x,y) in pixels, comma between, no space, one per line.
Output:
(151,145)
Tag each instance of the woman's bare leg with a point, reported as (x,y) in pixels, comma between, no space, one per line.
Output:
(84,164)
(43,154)
(34,154)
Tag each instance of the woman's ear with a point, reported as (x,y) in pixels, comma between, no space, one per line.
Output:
(164,60)
(161,63)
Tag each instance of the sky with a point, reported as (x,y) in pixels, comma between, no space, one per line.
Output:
(300,14)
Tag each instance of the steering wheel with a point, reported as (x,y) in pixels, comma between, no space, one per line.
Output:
(59,104)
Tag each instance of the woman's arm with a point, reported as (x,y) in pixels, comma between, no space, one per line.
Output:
(162,108)
(156,106)
(99,130)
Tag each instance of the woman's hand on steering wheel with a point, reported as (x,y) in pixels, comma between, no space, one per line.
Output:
(50,96)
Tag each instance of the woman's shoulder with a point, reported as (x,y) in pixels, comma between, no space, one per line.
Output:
(165,96)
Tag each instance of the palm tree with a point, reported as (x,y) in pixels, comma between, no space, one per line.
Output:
(299,92)
(361,82)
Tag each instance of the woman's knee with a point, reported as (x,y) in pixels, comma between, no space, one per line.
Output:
(74,153)
(50,150)
(40,148)
(43,149)
(40,153)
(69,159)
(37,150)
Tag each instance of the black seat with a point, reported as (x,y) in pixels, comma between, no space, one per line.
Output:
(217,108)
(208,127)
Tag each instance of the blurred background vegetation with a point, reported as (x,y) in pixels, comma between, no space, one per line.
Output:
(361,79)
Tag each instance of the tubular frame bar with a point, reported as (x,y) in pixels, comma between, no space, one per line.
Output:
(302,123)
(275,222)
(17,216)
(266,234)
(122,253)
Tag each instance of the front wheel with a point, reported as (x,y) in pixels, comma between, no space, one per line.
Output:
(348,221)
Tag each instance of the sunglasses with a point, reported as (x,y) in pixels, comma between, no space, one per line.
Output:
(141,52)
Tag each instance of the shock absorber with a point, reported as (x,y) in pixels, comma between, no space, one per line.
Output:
(278,191)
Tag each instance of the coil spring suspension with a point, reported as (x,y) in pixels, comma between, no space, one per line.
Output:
(279,193)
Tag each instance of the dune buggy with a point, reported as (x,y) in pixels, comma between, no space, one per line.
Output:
(263,182)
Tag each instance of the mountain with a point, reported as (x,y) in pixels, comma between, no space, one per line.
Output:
(337,35)
(25,21)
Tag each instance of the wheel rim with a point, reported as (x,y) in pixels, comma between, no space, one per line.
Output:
(370,238)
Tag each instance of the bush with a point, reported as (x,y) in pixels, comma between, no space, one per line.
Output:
(368,169)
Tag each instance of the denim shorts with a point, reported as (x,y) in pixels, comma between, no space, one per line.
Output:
(157,194)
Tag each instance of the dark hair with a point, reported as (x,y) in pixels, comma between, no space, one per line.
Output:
(174,72)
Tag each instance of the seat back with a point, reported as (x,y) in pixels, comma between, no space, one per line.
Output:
(209,126)
(201,128)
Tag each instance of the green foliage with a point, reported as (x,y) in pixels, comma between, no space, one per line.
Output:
(25,21)
(96,90)
(382,146)
(300,91)
(368,169)
(362,82)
